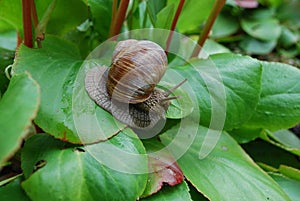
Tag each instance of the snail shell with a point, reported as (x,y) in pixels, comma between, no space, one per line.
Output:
(137,67)
(127,89)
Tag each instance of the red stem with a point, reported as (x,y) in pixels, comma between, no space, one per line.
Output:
(38,35)
(113,15)
(120,17)
(27,24)
(177,14)
(217,7)
(19,40)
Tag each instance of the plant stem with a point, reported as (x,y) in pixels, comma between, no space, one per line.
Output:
(39,36)
(174,22)
(27,24)
(113,15)
(217,7)
(119,19)
(19,39)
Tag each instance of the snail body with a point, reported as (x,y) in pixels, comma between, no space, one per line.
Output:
(128,88)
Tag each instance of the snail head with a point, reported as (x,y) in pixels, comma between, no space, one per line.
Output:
(165,101)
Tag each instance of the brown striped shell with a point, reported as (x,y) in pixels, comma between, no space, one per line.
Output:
(137,67)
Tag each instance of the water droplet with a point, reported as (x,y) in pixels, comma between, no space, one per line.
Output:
(224,148)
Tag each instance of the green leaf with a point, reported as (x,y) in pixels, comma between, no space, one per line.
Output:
(290,172)
(279,104)
(55,67)
(260,13)
(288,37)
(18,107)
(225,85)
(11,12)
(8,36)
(284,139)
(180,107)
(137,16)
(68,14)
(211,47)
(193,14)
(264,29)
(78,173)
(227,172)
(175,193)
(153,8)
(225,25)
(102,13)
(290,186)
(63,14)
(288,12)
(287,138)
(244,135)
(253,46)
(165,17)
(13,191)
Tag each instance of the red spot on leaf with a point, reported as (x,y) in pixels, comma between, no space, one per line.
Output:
(163,170)
(171,175)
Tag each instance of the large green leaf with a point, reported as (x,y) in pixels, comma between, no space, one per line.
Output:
(75,173)
(279,104)
(193,14)
(227,172)
(18,107)
(176,193)
(227,87)
(55,68)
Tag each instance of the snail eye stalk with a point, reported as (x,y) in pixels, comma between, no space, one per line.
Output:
(167,93)
(169,98)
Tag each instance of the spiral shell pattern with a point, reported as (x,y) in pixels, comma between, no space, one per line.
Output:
(137,66)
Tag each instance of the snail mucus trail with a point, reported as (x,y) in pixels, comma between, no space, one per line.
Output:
(128,88)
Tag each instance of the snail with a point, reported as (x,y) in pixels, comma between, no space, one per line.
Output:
(128,88)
